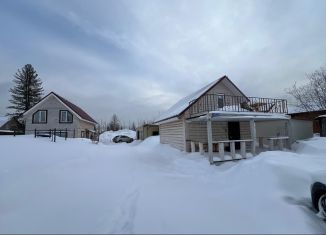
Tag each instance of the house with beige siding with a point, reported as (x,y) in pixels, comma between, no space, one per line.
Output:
(54,112)
(220,118)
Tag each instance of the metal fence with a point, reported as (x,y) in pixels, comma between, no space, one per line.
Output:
(51,133)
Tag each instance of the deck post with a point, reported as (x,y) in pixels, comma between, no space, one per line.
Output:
(201,148)
(221,150)
(232,147)
(210,138)
(193,147)
(243,149)
(253,136)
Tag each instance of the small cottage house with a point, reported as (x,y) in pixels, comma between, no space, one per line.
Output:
(220,117)
(55,112)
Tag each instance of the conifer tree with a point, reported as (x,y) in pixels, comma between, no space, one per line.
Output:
(26,92)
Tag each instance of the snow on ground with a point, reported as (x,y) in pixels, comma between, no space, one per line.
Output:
(106,137)
(75,186)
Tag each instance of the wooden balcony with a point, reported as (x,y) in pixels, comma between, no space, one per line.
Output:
(228,103)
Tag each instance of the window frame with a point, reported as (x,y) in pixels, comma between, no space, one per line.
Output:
(220,95)
(38,122)
(68,112)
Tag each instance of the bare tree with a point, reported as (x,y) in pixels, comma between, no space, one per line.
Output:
(311,96)
(133,126)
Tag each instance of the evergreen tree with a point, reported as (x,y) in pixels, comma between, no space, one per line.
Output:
(115,123)
(26,92)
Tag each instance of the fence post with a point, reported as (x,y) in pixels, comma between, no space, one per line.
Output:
(55,134)
(66,134)
(35,133)
(14,133)
(74,134)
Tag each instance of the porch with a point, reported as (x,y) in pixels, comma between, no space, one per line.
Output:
(235,136)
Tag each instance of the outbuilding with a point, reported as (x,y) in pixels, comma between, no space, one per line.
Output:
(322,124)
(147,130)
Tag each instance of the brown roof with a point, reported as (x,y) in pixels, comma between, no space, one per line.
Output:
(75,108)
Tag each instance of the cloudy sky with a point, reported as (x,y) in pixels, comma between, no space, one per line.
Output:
(137,58)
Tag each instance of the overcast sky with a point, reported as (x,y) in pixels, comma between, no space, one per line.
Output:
(137,58)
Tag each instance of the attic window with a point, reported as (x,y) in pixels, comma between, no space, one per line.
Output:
(40,116)
(65,116)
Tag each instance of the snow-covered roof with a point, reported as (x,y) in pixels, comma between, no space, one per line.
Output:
(249,113)
(3,120)
(226,115)
(322,116)
(185,102)
(294,109)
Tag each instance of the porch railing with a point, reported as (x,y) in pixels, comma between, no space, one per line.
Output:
(214,102)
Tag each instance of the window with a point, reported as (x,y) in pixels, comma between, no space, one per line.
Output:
(65,116)
(220,100)
(40,116)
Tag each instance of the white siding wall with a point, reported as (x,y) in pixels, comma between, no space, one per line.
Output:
(173,133)
(271,128)
(197,131)
(301,129)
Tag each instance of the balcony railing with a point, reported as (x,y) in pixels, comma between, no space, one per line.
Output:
(213,102)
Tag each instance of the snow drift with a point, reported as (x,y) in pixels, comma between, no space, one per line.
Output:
(75,186)
(106,137)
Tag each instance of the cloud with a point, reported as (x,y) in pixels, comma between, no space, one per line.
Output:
(136,58)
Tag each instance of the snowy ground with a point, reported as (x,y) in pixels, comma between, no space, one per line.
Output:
(75,186)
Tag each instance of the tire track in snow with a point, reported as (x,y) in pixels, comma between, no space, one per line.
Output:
(124,222)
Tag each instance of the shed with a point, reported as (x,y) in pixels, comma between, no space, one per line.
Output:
(310,116)
(322,124)
(147,130)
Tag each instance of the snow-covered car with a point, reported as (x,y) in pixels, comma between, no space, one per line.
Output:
(122,138)
(318,194)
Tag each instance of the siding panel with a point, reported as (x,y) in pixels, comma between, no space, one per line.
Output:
(173,133)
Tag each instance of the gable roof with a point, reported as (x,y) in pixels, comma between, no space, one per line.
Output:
(182,105)
(74,108)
